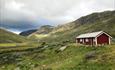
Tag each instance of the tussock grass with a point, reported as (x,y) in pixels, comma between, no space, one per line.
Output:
(72,58)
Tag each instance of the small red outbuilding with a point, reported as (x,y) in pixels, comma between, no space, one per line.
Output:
(95,38)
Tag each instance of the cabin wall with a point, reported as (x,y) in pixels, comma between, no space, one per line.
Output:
(85,42)
(103,39)
(89,42)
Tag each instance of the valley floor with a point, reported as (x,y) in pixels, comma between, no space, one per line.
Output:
(51,58)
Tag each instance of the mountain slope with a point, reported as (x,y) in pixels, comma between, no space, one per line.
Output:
(104,21)
(26,33)
(42,30)
(9,37)
(38,33)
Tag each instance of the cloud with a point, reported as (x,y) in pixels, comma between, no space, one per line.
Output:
(57,9)
(88,7)
(13,5)
(15,10)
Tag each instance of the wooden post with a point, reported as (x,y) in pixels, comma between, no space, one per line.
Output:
(109,41)
(96,41)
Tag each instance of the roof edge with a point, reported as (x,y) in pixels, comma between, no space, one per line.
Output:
(101,32)
(104,33)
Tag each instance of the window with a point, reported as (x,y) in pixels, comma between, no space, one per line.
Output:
(86,40)
(80,40)
(94,40)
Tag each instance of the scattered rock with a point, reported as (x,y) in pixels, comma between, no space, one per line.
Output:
(63,48)
(90,55)
(17,68)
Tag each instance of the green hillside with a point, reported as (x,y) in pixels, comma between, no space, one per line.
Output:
(77,58)
(51,58)
(41,32)
(104,21)
(9,37)
(44,29)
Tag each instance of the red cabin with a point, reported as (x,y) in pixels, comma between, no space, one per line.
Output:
(95,38)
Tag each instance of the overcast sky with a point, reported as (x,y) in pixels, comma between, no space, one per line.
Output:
(30,14)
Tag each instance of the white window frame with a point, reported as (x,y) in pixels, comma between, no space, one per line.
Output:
(87,40)
(81,40)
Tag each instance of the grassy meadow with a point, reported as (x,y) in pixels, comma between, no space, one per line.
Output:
(10,47)
(74,57)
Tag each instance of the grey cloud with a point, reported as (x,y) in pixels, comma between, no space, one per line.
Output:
(58,8)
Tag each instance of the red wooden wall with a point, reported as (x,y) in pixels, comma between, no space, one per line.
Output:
(103,39)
